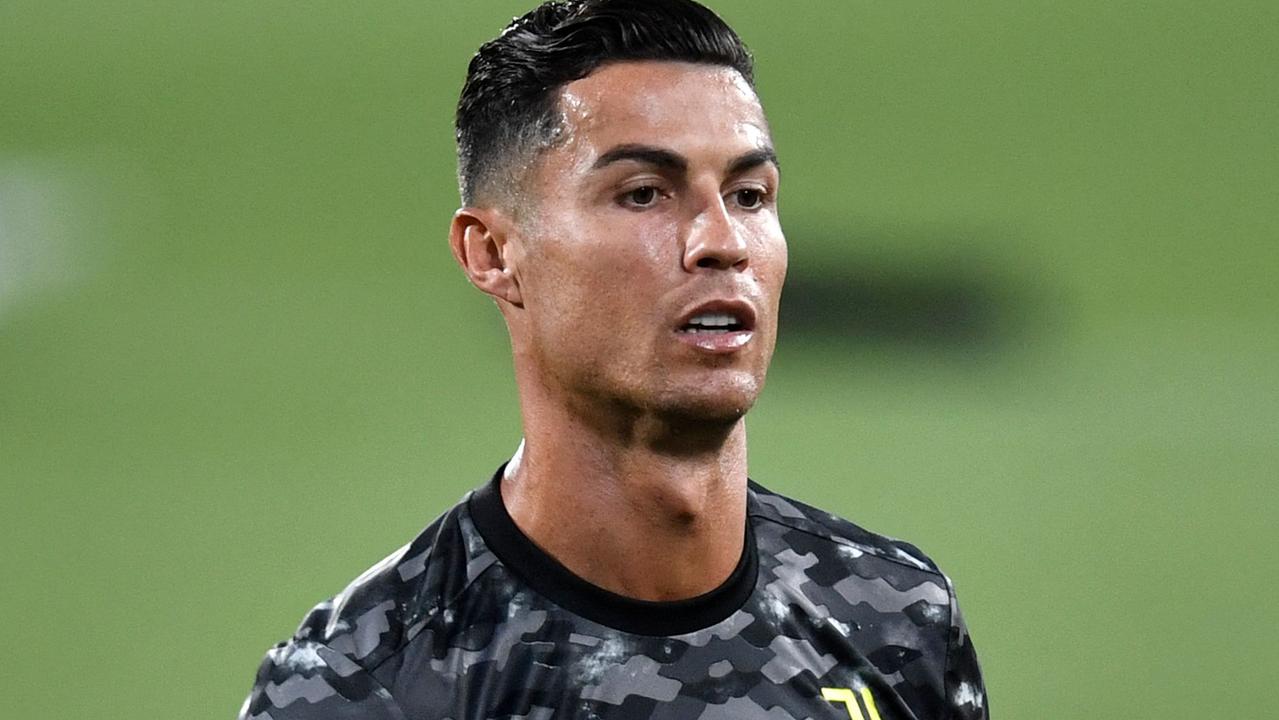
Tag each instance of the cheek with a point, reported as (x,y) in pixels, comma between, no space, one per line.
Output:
(618,258)
(603,274)
(783,262)
(654,245)
(574,293)
(770,256)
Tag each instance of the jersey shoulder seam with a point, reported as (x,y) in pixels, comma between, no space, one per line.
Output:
(410,632)
(837,540)
(950,647)
(427,619)
(384,696)
(810,526)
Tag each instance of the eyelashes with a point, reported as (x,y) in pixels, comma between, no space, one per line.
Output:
(648,196)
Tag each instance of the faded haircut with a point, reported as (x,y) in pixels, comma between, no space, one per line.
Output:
(508,111)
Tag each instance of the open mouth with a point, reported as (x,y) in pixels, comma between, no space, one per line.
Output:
(713,323)
(718,327)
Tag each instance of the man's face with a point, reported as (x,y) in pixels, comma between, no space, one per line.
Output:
(652,257)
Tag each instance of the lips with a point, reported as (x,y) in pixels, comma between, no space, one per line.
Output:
(718,326)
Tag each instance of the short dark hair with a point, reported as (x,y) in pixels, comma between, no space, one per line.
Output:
(508,109)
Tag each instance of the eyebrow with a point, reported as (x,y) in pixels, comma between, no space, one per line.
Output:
(754,159)
(646,154)
(668,160)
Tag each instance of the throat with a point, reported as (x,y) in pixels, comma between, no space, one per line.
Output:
(688,520)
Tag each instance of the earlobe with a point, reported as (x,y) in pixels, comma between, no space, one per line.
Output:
(479,241)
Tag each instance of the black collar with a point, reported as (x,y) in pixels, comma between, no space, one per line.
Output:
(552,580)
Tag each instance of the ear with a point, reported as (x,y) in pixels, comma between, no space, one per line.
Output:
(479,240)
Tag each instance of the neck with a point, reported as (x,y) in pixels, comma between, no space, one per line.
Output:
(648,508)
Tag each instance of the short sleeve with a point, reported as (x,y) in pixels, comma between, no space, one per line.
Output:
(305,680)
(965,691)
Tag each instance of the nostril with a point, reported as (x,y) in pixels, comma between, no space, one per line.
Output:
(707,262)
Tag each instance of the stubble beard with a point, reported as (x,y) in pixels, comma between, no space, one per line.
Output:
(672,417)
(670,405)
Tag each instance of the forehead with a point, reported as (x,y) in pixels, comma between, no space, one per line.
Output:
(667,103)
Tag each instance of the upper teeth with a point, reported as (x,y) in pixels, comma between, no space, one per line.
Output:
(713,320)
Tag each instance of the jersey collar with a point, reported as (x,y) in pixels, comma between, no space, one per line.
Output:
(549,578)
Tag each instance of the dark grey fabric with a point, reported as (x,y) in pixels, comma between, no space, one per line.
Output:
(839,623)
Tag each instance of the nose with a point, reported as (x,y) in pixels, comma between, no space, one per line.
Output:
(715,241)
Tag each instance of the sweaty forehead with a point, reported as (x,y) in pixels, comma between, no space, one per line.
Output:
(651,102)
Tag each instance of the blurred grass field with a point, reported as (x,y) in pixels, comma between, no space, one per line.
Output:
(237,365)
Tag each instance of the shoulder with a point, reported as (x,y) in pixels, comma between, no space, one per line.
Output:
(884,592)
(851,540)
(383,608)
(335,652)
(305,680)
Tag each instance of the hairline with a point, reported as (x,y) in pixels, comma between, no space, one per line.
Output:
(508,196)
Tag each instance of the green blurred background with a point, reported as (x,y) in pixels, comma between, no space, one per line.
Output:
(1030,329)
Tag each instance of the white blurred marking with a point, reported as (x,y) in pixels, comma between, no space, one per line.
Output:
(40,215)
(965,694)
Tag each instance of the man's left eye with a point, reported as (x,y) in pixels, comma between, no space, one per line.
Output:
(749,198)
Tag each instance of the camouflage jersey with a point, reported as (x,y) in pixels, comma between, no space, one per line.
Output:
(471,621)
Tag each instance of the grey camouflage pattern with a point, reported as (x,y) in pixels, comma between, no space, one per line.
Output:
(443,629)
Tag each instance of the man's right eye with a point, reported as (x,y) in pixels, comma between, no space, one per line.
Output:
(640,196)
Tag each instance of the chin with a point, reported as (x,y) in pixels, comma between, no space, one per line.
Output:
(709,404)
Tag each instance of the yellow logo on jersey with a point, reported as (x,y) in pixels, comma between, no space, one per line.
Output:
(849,698)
